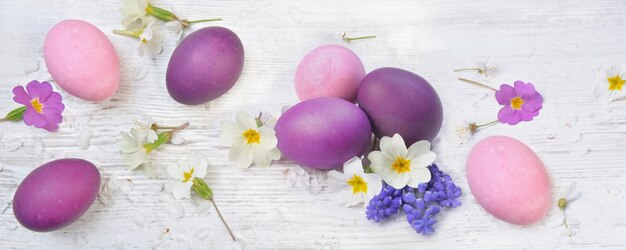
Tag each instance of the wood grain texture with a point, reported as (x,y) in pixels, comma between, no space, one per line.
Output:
(557,45)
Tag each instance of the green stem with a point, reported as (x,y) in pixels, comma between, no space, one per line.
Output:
(205,192)
(134,34)
(259,122)
(464,69)
(350,39)
(478,84)
(187,23)
(473,127)
(487,124)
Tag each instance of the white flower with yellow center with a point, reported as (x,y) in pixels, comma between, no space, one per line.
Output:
(361,187)
(183,174)
(250,141)
(610,85)
(400,166)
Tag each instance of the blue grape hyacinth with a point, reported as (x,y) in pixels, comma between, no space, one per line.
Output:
(421,204)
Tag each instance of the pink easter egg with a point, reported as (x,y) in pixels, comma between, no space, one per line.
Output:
(82,60)
(509,180)
(329,71)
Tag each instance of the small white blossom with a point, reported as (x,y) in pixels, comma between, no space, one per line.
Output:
(400,166)
(151,39)
(134,11)
(183,174)
(249,142)
(361,187)
(610,85)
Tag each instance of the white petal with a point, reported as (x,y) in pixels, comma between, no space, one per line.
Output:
(423,160)
(268,138)
(353,167)
(231,133)
(344,197)
(242,155)
(394,179)
(151,136)
(334,174)
(393,146)
(263,158)
(417,176)
(356,199)
(246,121)
(181,191)
(571,194)
(128,144)
(175,172)
(419,148)
(135,160)
(148,170)
(378,161)
(174,26)
(374,186)
(200,166)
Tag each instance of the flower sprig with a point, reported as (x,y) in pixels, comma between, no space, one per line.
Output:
(187,175)
(42,106)
(144,137)
(140,21)
(482,69)
(520,101)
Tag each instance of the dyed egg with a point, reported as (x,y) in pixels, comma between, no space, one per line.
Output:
(56,194)
(323,133)
(204,66)
(509,180)
(82,60)
(329,70)
(399,101)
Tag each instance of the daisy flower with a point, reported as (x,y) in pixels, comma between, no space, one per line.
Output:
(250,141)
(400,166)
(361,187)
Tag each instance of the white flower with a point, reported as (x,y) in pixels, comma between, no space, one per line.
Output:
(133,144)
(610,85)
(249,141)
(568,196)
(400,167)
(183,174)
(151,39)
(134,11)
(361,186)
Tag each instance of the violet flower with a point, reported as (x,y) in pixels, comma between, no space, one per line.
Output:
(521,102)
(43,105)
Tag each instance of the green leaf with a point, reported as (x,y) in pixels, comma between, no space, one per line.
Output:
(202,188)
(163,138)
(16,114)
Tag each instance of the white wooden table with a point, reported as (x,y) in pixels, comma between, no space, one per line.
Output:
(557,45)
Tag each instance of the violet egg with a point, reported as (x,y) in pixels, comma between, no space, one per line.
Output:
(56,194)
(399,101)
(329,70)
(323,133)
(204,66)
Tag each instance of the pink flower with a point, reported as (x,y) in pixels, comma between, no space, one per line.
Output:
(521,102)
(43,106)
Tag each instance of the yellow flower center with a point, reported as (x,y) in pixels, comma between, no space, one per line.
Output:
(252,136)
(516,103)
(358,184)
(615,83)
(562,203)
(38,106)
(401,165)
(187,175)
(144,41)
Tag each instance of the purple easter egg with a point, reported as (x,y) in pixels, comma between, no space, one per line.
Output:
(399,101)
(204,66)
(323,133)
(56,194)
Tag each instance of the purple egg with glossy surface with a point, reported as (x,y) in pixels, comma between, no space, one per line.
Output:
(56,194)
(323,133)
(399,101)
(205,65)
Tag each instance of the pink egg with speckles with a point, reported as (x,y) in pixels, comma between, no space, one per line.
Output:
(509,180)
(82,60)
(329,71)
